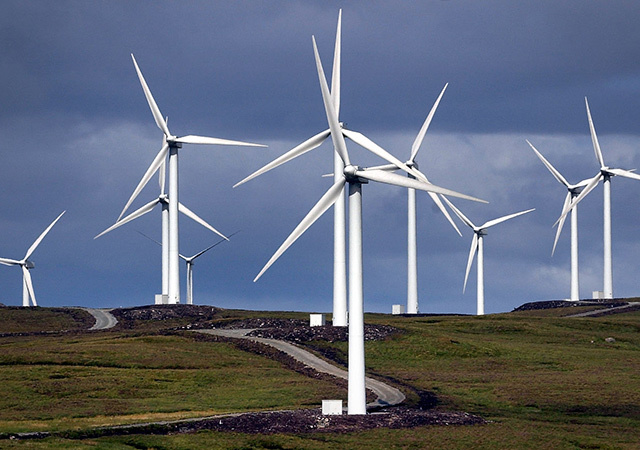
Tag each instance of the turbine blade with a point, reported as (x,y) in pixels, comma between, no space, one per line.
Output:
(191,139)
(594,137)
(325,202)
(9,262)
(150,238)
(458,213)
(144,209)
(592,184)
(27,279)
(332,118)
(438,202)
(624,173)
(425,126)
(162,174)
(41,237)
(200,253)
(335,75)
(162,177)
(187,212)
(309,144)
(374,148)
(558,176)
(157,115)
(472,254)
(504,218)
(444,211)
(382,176)
(565,206)
(158,161)
(385,167)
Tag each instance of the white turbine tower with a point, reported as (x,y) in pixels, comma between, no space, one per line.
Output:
(27,264)
(354,176)
(477,246)
(172,144)
(605,173)
(163,201)
(573,190)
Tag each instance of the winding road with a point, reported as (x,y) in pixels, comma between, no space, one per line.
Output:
(104,318)
(595,312)
(387,395)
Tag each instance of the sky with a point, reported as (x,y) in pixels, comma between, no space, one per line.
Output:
(79,135)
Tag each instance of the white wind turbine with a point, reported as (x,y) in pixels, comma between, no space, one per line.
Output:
(354,176)
(412,251)
(573,190)
(477,246)
(190,260)
(170,147)
(190,263)
(412,248)
(605,174)
(339,317)
(27,264)
(163,201)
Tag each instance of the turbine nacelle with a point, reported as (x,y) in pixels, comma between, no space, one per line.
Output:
(28,264)
(351,174)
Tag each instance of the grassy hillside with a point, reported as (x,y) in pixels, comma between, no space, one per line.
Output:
(542,380)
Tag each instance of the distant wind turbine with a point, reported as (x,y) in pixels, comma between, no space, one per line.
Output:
(27,264)
(163,201)
(171,146)
(190,262)
(477,246)
(354,176)
(573,190)
(605,173)
(412,251)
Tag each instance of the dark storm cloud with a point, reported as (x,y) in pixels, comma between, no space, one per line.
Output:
(78,135)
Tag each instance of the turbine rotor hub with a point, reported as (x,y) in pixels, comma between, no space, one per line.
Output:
(350,173)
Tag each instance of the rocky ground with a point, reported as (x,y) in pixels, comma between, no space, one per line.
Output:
(609,307)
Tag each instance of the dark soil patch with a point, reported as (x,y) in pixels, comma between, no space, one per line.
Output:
(128,317)
(295,330)
(298,421)
(309,421)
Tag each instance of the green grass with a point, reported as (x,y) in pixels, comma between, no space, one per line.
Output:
(60,382)
(14,319)
(543,381)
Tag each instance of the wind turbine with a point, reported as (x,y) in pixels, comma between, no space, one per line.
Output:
(163,201)
(171,146)
(412,252)
(477,246)
(605,174)
(27,264)
(190,262)
(354,176)
(573,190)
(339,317)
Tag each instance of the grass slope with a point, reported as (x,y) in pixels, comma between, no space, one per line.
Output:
(543,381)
